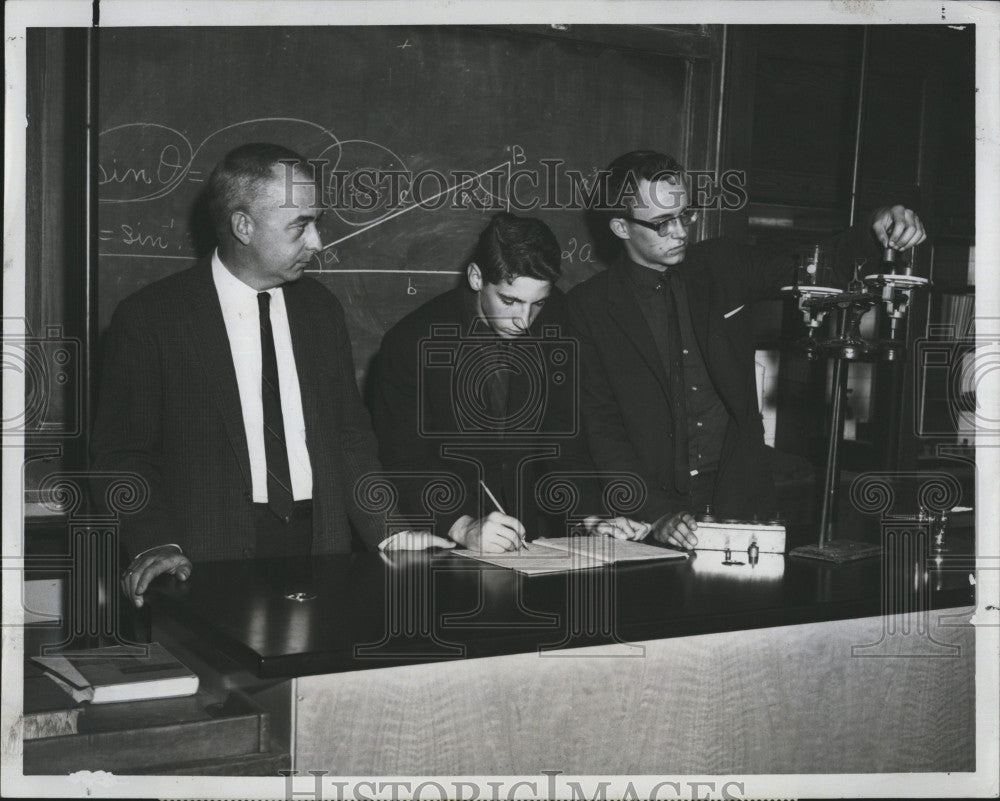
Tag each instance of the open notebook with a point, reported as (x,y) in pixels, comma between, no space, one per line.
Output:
(560,554)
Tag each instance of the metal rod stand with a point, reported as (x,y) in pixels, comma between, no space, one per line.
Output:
(830,549)
(831,480)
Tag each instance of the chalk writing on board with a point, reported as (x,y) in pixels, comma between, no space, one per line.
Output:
(151,170)
(146,256)
(144,161)
(576,252)
(141,235)
(423,203)
(150,163)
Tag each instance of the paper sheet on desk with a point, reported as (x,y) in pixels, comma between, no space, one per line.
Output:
(563,554)
(609,549)
(535,560)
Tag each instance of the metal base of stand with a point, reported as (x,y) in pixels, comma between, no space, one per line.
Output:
(838,551)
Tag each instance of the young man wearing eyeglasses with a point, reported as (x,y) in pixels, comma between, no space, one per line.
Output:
(668,388)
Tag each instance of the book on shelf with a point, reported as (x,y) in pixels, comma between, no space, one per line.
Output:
(562,554)
(117,673)
(48,710)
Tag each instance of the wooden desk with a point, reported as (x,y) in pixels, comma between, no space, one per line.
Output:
(423,664)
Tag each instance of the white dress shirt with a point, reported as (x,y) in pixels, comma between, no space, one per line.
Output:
(242,317)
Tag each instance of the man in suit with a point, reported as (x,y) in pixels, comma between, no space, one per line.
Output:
(480,383)
(667,351)
(229,389)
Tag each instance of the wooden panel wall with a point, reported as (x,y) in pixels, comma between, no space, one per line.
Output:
(779,700)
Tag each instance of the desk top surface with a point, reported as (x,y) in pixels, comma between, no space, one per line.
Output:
(373,610)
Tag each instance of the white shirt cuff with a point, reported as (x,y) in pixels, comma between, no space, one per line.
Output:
(390,539)
(165,545)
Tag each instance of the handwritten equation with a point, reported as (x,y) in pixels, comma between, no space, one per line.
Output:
(151,179)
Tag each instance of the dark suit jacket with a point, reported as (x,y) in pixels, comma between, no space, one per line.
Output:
(419,407)
(170,412)
(625,400)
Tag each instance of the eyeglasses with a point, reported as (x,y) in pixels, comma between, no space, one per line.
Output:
(662,227)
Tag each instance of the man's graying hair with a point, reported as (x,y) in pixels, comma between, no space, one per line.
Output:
(236,180)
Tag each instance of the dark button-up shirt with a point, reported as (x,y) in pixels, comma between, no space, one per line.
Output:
(707,416)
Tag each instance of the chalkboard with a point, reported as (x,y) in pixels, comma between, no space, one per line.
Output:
(475,105)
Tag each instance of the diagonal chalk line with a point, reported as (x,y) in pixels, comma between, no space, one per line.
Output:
(509,167)
(447,191)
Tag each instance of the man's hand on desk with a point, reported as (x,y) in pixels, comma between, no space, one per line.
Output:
(150,564)
(676,530)
(494,533)
(621,528)
(898,227)
(414,541)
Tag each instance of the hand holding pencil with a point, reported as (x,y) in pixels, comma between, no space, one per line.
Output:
(523,545)
(495,533)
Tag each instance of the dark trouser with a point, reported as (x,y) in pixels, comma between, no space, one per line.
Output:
(277,538)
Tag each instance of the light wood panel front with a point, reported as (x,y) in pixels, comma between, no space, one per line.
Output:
(779,700)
